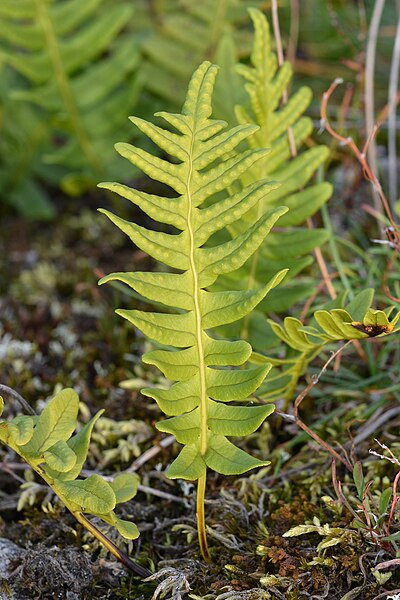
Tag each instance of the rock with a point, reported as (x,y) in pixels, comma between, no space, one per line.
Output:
(9,552)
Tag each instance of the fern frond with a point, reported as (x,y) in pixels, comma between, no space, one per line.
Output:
(23,138)
(59,48)
(199,365)
(265,84)
(185,36)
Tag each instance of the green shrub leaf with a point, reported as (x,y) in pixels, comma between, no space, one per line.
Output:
(56,422)
(125,486)
(21,429)
(93,494)
(60,457)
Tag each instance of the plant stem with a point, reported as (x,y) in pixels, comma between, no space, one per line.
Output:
(296,374)
(335,253)
(201,524)
(111,547)
(369,91)
(84,521)
(4,389)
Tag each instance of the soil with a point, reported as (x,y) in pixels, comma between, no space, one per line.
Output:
(58,329)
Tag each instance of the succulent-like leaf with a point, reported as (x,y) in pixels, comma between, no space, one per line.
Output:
(206,163)
(331,326)
(93,494)
(125,528)
(60,457)
(79,444)
(21,429)
(125,486)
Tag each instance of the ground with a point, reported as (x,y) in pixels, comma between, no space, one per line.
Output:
(58,329)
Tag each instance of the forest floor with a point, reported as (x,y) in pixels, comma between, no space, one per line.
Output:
(58,329)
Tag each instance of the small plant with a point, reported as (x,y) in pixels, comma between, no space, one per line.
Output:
(356,322)
(373,509)
(45,443)
(205,165)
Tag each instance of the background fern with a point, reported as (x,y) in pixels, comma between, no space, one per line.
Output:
(291,247)
(59,50)
(24,138)
(206,165)
(184,34)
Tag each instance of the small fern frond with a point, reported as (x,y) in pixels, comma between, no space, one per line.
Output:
(199,365)
(46,443)
(59,48)
(358,321)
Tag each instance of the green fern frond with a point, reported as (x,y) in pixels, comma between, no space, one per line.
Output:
(206,163)
(187,34)
(46,443)
(59,48)
(24,136)
(265,84)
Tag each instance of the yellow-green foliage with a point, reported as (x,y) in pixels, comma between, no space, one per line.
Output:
(185,34)
(46,443)
(205,164)
(359,321)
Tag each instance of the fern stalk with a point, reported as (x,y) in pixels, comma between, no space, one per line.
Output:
(201,523)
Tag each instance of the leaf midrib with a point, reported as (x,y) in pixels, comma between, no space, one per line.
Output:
(196,300)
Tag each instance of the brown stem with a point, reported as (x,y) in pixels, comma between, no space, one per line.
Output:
(4,389)
(314,380)
(111,547)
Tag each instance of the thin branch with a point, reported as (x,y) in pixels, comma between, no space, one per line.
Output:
(392,102)
(151,453)
(7,391)
(294,31)
(279,52)
(348,141)
(314,380)
(111,547)
(322,267)
(369,83)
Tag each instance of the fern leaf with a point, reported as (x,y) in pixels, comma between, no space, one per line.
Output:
(81,72)
(193,32)
(191,358)
(265,84)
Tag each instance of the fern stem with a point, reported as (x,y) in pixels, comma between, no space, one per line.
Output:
(64,87)
(296,374)
(201,524)
(203,399)
(111,547)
